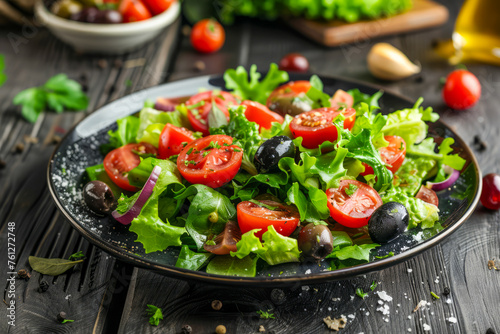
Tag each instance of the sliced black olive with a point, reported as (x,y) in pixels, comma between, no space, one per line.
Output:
(271,151)
(290,105)
(99,197)
(315,241)
(387,222)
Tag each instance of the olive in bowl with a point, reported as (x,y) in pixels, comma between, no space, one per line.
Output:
(272,151)
(387,222)
(315,241)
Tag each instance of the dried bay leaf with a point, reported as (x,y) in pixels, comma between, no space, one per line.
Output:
(51,267)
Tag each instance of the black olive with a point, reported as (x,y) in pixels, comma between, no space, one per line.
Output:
(315,241)
(271,151)
(290,105)
(387,222)
(109,17)
(99,197)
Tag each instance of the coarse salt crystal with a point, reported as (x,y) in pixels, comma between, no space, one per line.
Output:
(427,327)
(308,271)
(452,320)
(410,270)
(384,296)
(351,316)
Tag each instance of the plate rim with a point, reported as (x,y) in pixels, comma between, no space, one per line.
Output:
(323,276)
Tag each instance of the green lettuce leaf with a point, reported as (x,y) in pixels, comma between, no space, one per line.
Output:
(206,201)
(138,176)
(278,129)
(274,248)
(354,252)
(359,98)
(231,266)
(126,132)
(313,207)
(427,149)
(318,98)
(191,260)
(412,172)
(253,89)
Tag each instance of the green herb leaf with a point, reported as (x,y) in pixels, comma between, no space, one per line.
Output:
(3,77)
(155,314)
(351,189)
(216,118)
(265,315)
(263,205)
(433,294)
(373,286)
(361,294)
(66,321)
(385,256)
(52,267)
(76,256)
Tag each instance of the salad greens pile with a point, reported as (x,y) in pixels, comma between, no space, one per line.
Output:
(189,216)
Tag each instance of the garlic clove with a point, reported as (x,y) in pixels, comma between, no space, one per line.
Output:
(388,63)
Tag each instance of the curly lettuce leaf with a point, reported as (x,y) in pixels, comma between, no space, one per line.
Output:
(191,260)
(412,172)
(126,132)
(370,100)
(354,252)
(230,266)
(169,173)
(274,248)
(427,149)
(253,89)
(316,95)
(420,212)
(278,129)
(206,202)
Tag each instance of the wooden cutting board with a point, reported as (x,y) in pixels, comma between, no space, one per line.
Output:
(424,14)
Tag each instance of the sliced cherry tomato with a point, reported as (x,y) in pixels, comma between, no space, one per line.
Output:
(158,6)
(353,203)
(316,126)
(212,161)
(392,155)
(133,11)
(261,115)
(428,195)
(200,105)
(284,218)
(341,98)
(122,160)
(207,36)
(172,139)
(461,90)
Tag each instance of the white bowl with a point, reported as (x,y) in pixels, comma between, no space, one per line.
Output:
(106,38)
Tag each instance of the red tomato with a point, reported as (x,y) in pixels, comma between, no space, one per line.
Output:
(260,114)
(133,11)
(294,62)
(252,216)
(316,126)
(352,210)
(212,161)
(428,195)
(490,195)
(172,139)
(207,36)
(461,90)
(392,155)
(158,6)
(198,116)
(122,160)
(341,98)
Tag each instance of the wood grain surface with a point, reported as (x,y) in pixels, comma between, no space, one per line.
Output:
(106,296)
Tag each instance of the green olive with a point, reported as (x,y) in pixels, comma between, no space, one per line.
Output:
(91,3)
(66,8)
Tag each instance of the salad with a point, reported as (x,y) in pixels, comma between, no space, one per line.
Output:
(271,172)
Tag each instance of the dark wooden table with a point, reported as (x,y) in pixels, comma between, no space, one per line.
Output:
(107,296)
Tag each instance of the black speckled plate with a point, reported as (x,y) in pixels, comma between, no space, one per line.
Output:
(80,148)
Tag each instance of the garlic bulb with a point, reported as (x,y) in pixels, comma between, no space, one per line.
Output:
(388,63)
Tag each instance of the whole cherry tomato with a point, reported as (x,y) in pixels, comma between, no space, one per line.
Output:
(461,90)
(207,36)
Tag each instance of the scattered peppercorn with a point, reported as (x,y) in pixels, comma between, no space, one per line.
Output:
(216,305)
(2,164)
(24,274)
(221,329)
(19,148)
(199,65)
(55,139)
(186,329)
(102,63)
(61,316)
(419,79)
(44,286)
(490,331)
(479,144)
(446,291)
(277,296)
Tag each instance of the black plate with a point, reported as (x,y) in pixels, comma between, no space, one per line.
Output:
(80,148)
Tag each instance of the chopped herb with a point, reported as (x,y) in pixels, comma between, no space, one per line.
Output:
(196,106)
(77,256)
(184,143)
(189,162)
(385,256)
(66,320)
(361,294)
(210,243)
(351,190)
(212,145)
(373,286)
(128,83)
(266,315)
(402,147)
(236,150)
(434,295)
(3,77)
(155,315)
(190,151)
(206,153)
(263,205)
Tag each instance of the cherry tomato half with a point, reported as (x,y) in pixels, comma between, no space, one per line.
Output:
(260,114)
(316,126)
(461,90)
(172,139)
(427,195)
(354,208)
(122,160)
(198,116)
(133,11)
(158,6)
(392,155)
(284,218)
(207,36)
(212,161)
(341,98)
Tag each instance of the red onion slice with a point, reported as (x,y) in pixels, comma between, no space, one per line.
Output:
(453,175)
(127,217)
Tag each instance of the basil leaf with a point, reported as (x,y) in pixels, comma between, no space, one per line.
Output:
(52,267)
